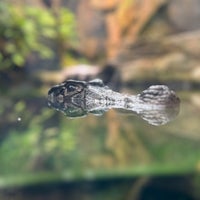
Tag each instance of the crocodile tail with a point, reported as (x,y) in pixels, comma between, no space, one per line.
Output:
(158,95)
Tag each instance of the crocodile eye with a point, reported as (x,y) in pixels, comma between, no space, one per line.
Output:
(71,88)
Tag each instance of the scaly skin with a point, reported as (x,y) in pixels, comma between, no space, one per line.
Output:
(78,98)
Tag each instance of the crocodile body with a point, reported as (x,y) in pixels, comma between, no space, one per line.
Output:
(78,98)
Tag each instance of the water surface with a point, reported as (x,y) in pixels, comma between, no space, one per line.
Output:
(45,146)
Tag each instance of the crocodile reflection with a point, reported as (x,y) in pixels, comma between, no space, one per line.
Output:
(157,105)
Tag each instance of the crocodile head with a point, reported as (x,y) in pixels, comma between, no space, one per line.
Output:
(68,97)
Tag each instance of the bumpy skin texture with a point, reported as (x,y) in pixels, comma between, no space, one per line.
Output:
(157,104)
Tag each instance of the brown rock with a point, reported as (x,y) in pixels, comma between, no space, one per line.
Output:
(185,14)
(126,21)
(104,4)
(91,29)
(135,17)
(195,73)
(113,36)
(187,42)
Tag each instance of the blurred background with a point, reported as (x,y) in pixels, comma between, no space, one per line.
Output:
(130,45)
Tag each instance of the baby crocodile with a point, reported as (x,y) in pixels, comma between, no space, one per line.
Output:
(157,104)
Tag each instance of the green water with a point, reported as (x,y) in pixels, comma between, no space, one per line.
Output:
(42,146)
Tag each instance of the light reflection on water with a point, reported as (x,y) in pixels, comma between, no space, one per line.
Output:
(110,145)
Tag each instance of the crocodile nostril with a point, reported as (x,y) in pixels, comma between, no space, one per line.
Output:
(60,98)
(50,98)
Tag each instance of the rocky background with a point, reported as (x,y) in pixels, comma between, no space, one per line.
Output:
(143,39)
